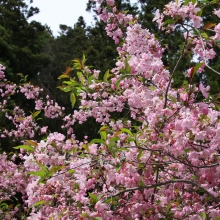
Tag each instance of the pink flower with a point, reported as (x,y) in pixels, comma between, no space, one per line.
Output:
(204,90)
(99,206)
(93,149)
(110,2)
(183,96)
(217,12)
(196,21)
(159,18)
(217,30)
(44,129)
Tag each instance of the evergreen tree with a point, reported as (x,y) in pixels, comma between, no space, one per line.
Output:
(71,43)
(21,41)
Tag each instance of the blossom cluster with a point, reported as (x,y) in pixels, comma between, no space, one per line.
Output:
(30,91)
(158,152)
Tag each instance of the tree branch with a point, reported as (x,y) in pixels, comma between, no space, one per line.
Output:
(203,47)
(191,165)
(174,70)
(168,183)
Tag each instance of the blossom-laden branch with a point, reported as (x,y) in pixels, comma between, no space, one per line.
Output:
(155,155)
(215,199)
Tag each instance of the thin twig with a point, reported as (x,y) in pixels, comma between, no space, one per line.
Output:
(203,47)
(199,145)
(155,188)
(174,70)
(143,148)
(168,183)
(191,165)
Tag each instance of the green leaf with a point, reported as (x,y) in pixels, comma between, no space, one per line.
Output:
(20,118)
(203,216)
(86,148)
(84,59)
(84,215)
(105,78)
(97,141)
(81,77)
(169,21)
(188,150)
(114,139)
(72,99)
(25,147)
(41,166)
(127,66)
(140,154)
(63,76)
(71,83)
(103,128)
(196,67)
(127,131)
(204,35)
(35,114)
(118,167)
(117,84)
(186,2)
(172,98)
(4,205)
(71,171)
(103,132)
(162,135)
(152,88)
(42,202)
(94,198)
(141,183)
(33,143)
(103,135)
(54,169)
(90,79)
(199,13)
(185,83)
(77,65)
(168,206)
(40,173)
(64,88)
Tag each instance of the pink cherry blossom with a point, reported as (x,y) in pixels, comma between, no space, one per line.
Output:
(156,155)
(204,90)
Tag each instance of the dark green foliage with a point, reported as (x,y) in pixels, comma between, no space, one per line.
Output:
(71,44)
(102,49)
(21,43)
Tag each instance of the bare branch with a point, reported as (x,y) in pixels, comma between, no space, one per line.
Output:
(174,70)
(191,165)
(168,183)
(143,148)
